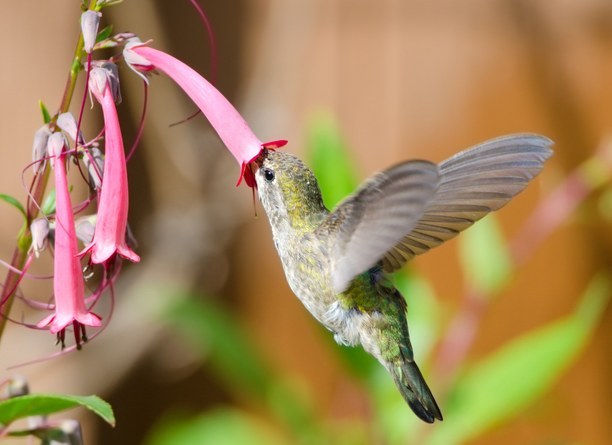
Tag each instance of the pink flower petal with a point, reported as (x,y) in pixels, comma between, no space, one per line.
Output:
(111,223)
(227,122)
(68,284)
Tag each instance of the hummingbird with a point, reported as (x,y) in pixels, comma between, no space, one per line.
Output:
(338,263)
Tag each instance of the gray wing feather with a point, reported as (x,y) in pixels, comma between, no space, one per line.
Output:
(376,217)
(472,183)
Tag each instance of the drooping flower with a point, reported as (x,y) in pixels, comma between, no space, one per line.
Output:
(110,233)
(68,284)
(227,122)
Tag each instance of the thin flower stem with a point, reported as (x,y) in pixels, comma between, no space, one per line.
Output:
(20,254)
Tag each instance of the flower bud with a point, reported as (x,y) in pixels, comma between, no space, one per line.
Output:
(71,430)
(55,145)
(114,80)
(85,227)
(136,62)
(17,386)
(39,228)
(94,162)
(102,76)
(67,123)
(39,148)
(89,27)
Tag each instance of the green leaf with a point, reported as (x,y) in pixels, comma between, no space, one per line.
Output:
(393,417)
(329,160)
(216,335)
(104,34)
(484,257)
(359,363)
(48,206)
(513,377)
(45,112)
(13,201)
(43,404)
(236,361)
(228,427)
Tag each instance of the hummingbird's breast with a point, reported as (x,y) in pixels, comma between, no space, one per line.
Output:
(307,267)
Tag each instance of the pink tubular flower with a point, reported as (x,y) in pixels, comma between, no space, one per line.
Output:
(227,122)
(68,285)
(109,235)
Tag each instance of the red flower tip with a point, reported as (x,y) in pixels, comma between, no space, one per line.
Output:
(246,168)
(273,145)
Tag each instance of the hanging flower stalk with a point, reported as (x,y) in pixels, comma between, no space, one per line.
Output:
(109,176)
(227,122)
(68,284)
(110,233)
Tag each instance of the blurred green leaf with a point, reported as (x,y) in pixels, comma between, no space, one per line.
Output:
(45,112)
(237,362)
(14,202)
(348,431)
(43,404)
(359,363)
(104,34)
(484,256)
(605,203)
(227,427)
(423,314)
(330,161)
(394,419)
(48,206)
(218,336)
(510,379)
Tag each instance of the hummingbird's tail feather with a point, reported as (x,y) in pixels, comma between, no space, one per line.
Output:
(414,389)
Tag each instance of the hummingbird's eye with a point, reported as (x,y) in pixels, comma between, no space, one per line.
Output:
(268,175)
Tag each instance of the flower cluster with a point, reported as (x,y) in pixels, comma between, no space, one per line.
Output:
(103,232)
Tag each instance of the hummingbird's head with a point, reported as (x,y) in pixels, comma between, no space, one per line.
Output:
(288,190)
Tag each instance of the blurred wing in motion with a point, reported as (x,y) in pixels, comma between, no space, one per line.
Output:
(386,207)
(473,183)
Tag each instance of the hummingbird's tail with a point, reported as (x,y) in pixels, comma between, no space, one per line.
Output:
(412,386)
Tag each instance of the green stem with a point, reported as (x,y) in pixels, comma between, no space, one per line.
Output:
(39,186)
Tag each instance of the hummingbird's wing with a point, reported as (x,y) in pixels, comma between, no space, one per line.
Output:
(473,183)
(367,224)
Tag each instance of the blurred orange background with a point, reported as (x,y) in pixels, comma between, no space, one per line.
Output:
(404,79)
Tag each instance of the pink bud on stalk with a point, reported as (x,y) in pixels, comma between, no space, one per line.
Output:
(227,122)
(68,285)
(109,236)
